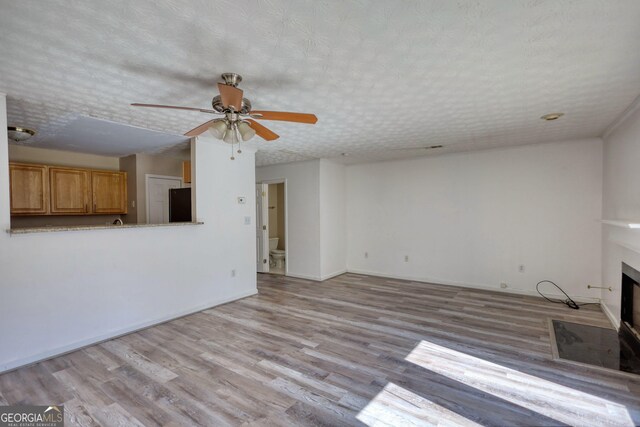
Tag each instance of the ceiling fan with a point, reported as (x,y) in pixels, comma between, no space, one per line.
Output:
(239,121)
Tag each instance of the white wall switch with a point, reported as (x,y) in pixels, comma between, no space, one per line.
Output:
(247,220)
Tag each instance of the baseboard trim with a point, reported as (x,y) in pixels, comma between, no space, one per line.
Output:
(59,351)
(304,276)
(607,311)
(332,275)
(465,285)
(317,278)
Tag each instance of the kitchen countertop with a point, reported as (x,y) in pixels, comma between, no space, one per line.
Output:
(53,228)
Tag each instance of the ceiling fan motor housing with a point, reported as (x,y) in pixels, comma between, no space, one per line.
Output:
(231,79)
(217,105)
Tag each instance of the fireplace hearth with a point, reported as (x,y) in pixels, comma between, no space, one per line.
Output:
(606,347)
(592,345)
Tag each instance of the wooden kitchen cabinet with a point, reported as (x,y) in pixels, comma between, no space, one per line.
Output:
(57,190)
(109,191)
(186,172)
(29,189)
(70,190)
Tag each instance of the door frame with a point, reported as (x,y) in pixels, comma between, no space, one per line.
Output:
(262,228)
(146,188)
(286,218)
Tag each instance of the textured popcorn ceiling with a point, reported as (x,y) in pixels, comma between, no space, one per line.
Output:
(380,75)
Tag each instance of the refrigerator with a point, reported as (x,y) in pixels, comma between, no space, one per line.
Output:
(180,205)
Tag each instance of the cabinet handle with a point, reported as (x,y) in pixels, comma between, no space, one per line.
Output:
(86,207)
(94,208)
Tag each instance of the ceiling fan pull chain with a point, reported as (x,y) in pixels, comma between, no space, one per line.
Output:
(232,158)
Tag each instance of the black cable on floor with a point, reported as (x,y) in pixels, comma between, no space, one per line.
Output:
(568,302)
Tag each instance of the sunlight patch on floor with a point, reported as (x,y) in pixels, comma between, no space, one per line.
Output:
(397,406)
(539,395)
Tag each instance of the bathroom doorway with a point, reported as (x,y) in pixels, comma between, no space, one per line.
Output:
(274,206)
(276,227)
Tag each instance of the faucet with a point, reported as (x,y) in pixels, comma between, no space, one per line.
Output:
(118,221)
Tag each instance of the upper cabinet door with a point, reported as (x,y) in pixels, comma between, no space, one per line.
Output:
(69,191)
(28,185)
(109,192)
(186,172)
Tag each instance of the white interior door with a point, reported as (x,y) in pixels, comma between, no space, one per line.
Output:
(158,198)
(262,227)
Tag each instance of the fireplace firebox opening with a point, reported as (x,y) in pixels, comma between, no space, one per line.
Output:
(630,305)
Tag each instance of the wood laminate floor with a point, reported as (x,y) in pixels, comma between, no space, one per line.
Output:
(353,350)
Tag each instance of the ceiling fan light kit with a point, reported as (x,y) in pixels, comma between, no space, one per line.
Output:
(237,124)
(246,131)
(218,128)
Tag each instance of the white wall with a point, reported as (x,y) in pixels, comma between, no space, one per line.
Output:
(472,218)
(155,165)
(22,153)
(62,290)
(302,216)
(316,216)
(333,225)
(621,200)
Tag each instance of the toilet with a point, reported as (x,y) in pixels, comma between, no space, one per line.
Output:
(276,256)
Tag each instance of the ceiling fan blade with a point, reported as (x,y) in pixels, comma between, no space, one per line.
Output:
(262,131)
(286,117)
(200,129)
(231,96)
(174,107)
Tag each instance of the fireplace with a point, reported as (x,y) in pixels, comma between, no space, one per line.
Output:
(630,306)
(605,347)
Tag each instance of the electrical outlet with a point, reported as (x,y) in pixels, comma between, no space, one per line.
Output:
(406,258)
(366,254)
(233,273)
(133,203)
(521,268)
(503,285)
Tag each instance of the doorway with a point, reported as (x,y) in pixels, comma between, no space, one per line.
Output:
(272,235)
(157,196)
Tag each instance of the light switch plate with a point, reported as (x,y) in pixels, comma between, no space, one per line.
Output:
(247,220)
